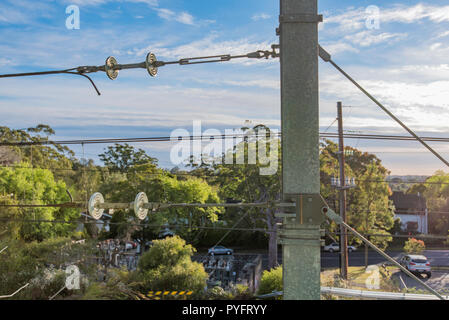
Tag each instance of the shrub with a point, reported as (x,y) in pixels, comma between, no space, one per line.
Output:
(168,252)
(414,246)
(241,292)
(218,293)
(271,281)
(168,266)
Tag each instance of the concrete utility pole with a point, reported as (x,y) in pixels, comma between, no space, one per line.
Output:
(300,233)
(341,160)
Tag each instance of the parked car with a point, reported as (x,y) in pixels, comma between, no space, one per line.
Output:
(334,247)
(416,264)
(220,250)
(130,245)
(166,233)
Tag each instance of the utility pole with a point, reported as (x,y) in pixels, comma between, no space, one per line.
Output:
(341,160)
(300,232)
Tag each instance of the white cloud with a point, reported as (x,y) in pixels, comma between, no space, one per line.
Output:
(260,16)
(355,18)
(87,2)
(151,3)
(335,48)
(165,13)
(368,38)
(443,34)
(5,62)
(209,46)
(185,18)
(436,46)
(182,17)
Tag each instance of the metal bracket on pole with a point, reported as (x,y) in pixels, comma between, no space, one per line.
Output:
(300,18)
(307,209)
(324,54)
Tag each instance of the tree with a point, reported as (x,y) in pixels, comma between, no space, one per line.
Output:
(414,246)
(168,266)
(121,157)
(436,191)
(51,155)
(369,209)
(34,186)
(246,183)
(143,175)
(161,186)
(31,263)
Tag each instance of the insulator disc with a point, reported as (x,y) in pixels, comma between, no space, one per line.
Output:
(139,209)
(94,201)
(151,58)
(109,65)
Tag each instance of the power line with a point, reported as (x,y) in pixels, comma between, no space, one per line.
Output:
(178,226)
(196,174)
(151,64)
(208,137)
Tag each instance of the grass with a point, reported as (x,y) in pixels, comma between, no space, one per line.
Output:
(357,277)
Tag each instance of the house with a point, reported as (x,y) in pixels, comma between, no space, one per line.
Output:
(102,224)
(411,209)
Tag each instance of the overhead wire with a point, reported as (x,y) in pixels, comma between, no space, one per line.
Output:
(327,58)
(206,138)
(111,67)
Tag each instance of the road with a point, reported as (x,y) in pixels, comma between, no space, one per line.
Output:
(439,281)
(357,258)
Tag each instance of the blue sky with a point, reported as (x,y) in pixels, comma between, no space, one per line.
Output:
(404,63)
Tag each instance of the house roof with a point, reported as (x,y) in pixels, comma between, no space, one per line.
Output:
(408,202)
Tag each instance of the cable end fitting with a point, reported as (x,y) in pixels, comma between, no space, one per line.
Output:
(324,54)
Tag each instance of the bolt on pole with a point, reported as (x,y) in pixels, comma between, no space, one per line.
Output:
(341,160)
(300,233)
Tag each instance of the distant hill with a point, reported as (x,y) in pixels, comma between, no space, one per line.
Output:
(407,178)
(403,183)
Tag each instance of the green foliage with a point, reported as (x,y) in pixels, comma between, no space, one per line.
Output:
(123,156)
(168,266)
(168,252)
(369,209)
(52,155)
(414,246)
(38,263)
(241,292)
(436,192)
(120,285)
(162,187)
(36,186)
(271,281)
(218,293)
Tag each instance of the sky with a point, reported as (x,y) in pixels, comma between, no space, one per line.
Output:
(402,60)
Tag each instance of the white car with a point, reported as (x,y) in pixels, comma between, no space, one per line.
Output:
(416,264)
(334,247)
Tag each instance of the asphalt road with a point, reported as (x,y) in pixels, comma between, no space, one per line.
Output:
(357,258)
(439,281)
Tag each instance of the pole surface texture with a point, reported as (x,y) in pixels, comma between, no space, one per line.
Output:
(300,238)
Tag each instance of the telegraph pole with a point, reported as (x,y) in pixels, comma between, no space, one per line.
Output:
(300,233)
(341,160)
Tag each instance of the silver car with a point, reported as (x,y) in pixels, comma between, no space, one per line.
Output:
(220,250)
(416,264)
